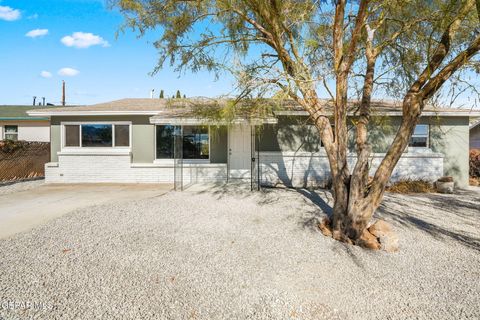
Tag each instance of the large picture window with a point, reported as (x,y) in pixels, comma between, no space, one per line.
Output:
(420,137)
(195,142)
(96,135)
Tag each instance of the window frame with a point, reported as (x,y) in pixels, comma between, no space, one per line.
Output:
(5,133)
(427,136)
(92,149)
(189,161)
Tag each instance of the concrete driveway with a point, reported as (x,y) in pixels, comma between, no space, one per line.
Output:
(23,210)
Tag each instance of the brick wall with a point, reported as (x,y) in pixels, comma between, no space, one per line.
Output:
(305,169)
(117,168)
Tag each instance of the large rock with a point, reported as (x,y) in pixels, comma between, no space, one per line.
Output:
(368,240)
(324,227)
(386,236)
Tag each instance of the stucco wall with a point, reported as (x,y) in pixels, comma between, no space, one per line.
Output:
(28,130)
(143,137)
(448,137)
(475,138)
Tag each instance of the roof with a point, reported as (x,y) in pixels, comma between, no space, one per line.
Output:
(9,113)
(474,125)
(181,108)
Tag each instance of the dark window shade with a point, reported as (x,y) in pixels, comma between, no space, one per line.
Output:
(96,135)
(72,136)
(122,135)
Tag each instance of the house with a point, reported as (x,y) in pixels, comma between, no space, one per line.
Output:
(16,124)
(475,135)
(200,140)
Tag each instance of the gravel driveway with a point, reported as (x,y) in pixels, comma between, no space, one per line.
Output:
(231,254)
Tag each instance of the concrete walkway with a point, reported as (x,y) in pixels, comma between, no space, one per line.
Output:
(23,210)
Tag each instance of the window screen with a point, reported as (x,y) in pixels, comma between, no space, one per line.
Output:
(122,135)
(72,136)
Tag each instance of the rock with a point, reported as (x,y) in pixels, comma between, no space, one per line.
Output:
(324,227)
(389,243)
(380,228)
(387,238)
(368,240)
(445,187)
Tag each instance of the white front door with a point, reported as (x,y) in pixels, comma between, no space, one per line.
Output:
(240,151)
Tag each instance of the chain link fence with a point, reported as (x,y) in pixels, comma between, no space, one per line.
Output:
(21,160)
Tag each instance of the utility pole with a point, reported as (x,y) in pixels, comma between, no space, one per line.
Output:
(63,92)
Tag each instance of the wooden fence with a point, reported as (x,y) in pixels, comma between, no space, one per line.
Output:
(23,160)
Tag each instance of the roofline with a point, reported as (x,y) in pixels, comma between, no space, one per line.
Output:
(205,121)
(24,118)
(392,113)
(91,113)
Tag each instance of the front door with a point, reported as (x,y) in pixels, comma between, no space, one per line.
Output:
(240,151)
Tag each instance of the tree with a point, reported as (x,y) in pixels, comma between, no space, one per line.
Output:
(412,47)
(178,95)
(161,94)
(184,96)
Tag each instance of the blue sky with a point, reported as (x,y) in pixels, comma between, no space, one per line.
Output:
(106,72)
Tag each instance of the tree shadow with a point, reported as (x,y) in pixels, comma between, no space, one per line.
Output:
(443,217)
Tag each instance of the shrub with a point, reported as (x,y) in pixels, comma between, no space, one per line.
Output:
(10,146)
(475,163)
(411,186)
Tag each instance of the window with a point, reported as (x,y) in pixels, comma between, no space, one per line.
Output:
(97,135)
(195,142)
(420,137)
(72,136)
(94,135)
(165,142)
(11,133)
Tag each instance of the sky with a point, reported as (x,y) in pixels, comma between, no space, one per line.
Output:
(46,41)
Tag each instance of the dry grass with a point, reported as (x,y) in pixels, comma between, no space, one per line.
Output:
(412,186)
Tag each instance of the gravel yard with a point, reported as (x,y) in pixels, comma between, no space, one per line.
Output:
(232,254)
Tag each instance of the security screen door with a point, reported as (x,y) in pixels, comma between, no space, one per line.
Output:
(178,158)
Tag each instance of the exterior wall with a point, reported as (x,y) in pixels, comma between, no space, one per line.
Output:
(475,138)
(294,136)
(118,168)
(28,130)
(303,169)
(137,166)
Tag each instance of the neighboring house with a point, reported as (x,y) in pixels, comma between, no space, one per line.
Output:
(165,141)
(16,124)
(475,135)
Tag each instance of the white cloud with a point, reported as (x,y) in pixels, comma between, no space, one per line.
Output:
(9,14)
(33,16)
(45,74)
(37,33)
(84,40)
(68,72)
